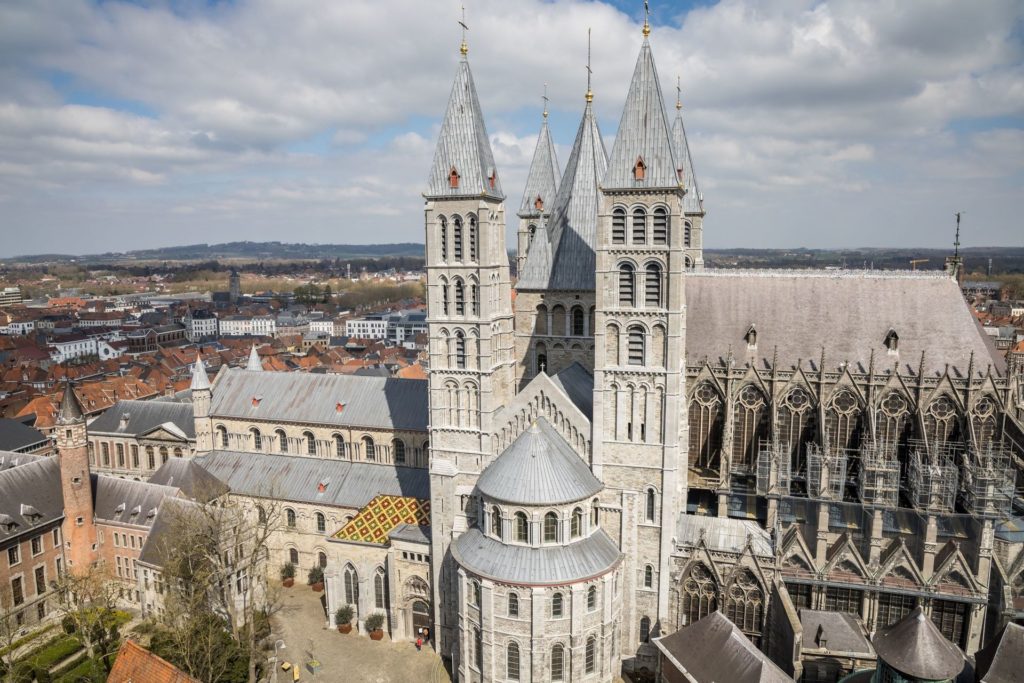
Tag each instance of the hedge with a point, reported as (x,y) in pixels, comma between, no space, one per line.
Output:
(71,663)
(82,672)
(56,652)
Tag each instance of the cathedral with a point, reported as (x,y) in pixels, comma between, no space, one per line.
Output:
(632,441)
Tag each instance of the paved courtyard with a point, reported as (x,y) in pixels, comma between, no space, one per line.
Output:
(345,658)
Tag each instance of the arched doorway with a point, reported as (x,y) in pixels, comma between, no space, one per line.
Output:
(420,617)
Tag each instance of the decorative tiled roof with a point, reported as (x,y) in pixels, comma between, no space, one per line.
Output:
(382,515)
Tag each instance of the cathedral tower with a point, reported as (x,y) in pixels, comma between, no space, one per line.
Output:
(541,188)
(639,377)
(470,319)
(202,397)
(78,529)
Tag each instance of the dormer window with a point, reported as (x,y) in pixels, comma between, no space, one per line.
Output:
(256,400)
(751,338)
(339,406)
(639,169)
(892,341)
(453,178)
(492,178)
(30,513)
(538,203)
(119,509)
(321,487)
(135,511)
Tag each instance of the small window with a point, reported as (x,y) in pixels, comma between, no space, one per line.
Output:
(551,528)
(558,663)
(368,446)
(626,298)
(453,178)
(639,169)
(321,522)
(578,324)
(557,606)
(648,576)
(257,439)
(522,528)
(310,443)
(592,598)
(339,446)
(496,522)
(645,630)
(290,517)
(687,234)
(619,226)
(282,441)
(513,605)
(651,494)
(635,342)
(379,590)
(293,555)
(576,525)
(398,450)
(660,227)
(652,286)
(639,226)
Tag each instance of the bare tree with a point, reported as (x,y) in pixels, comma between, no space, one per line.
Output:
(88,599)
(9,632)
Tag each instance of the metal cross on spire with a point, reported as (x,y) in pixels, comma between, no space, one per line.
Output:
(464,48)
(545,98)
(679,94)
(590,94)
(956,242)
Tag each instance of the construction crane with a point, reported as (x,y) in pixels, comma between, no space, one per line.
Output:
(915,261)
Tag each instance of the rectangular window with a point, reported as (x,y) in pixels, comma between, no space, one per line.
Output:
(950,617)
(40,580)
(37,545)
(17,591)
(105,452)
(13,555)
(117,541)
(56,537)
(843,600)
(120,455)
(133,541)
(800,594)
(41,610)
(135,457)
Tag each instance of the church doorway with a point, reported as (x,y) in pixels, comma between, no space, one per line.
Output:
(420,617)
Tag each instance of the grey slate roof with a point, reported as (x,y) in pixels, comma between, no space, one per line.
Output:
(841,631)
(387,403)
(254,364)
(915,647)
(160,533)
(723,534)
(200,380)
(143,417)
(15,436)
(578,384)
(296,478)
(588,557)
(411,533)
(1002,659)
(848,313)
(643,133)
(566,260)
(692,201)
(35,483)
(463,143)
(128,501)
(538,468)
(714,650)
(70,407)
(194,481)
(542,181)
(9,459)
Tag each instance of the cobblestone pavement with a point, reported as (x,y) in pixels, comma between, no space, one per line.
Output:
(345,658)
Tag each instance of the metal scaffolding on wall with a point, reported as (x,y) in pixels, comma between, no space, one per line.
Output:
(773,468)
(989,479)
(932,480)
(879,480)
(826,472)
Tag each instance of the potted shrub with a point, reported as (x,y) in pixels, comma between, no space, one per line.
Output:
(315,578)
(343,618)
(374,624)
(288,574)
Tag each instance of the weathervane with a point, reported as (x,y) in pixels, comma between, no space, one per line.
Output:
(679,94)
(590,95)
(545,98)
(464,48)
(647,14)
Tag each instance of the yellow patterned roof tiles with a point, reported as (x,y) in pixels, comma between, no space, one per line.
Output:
(382,515)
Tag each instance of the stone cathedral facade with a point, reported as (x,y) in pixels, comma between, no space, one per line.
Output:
(636,441)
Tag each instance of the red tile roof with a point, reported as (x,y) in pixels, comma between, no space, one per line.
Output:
(135,664)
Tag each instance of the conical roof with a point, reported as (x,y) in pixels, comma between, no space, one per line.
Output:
(463,145)
(692,202)
(254,363)
(200,380)
(568,261)
(538,468)
(542,182)
(70,407)
(643,133)
(915,647)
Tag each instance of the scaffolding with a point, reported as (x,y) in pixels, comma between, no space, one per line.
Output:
(826,473)
(773,468)
(879,480)
(932,480)
(989,480)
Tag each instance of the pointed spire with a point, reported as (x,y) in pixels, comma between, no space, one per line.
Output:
(200,380)
(542,181)
(692,201)
(642,156)
(70,407)
(463,161)
(254,364)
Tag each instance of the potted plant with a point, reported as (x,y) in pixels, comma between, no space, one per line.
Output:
(288,574)
(374,624)
(343,618)
(315,578)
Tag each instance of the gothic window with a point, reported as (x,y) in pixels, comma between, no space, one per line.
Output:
(496,522)
(513,605)
(576,525)
(699,594)
(590,656)
(282,441)
(350,583)
(460,350)
(626,299)
(639,226)
(289,516)
(687,233)
(474,299)
(444,238)
(557,606)
(635,336)
(541,326)
(951,618)
(650,505)
(983,420)
(592,598)
(652,288)
(577,321)
(398,451)
(558,663)
(310,443)
(892,341)
(619,226)
(293,555)
(444,296)
(321,523)
(473,244)
(660,227)
(457,238)
(796,425)
(648,576)
(841,419)
(261,514)
(512,662)
(257,439)
(558,320)
(847,600)
(460,297)
(940,421)
(744,604)
(379,589)
(369,448)
(645,630)
(706,421)
(750,425)
(892,415)
(687,263)
(892,607)
(522,528)
(551,528)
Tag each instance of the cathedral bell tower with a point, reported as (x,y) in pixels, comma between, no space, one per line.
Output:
(78,530)
(639,379)
(539,196)
(469,314)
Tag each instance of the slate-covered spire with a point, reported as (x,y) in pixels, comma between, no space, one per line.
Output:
(254,363)
(542,182)
(70,407)
(463,162)
(692,201)
(566,260)
(642,155)
(200,380)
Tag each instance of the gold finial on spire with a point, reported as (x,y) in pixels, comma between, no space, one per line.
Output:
(647,14)
(679,95)
(464,47)
(590,93)
(545,98)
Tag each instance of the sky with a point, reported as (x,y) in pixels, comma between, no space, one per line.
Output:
(127,125)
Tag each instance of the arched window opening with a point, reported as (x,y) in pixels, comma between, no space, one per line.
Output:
(645,630)
(589,660)
(558,663)
(310,443)
(261,514)
(639,226)
(648,576)
(282,441)
(453,178)
(379,590)
(398,451)
(592,598)
(257,439)
(639,169)
(223,433)
(457,238)
(460,297)
(289,516)
(350,584)
(496,522)
(652,289)
(369,448)
(619,226)
(797,425)
(444,236)
(522,528)
(339,446)
(699,594)
(750,420)
(744,604)
(578,324)
(321,559)
(842,421)
(533,233)
(626,298)
(473,244)
(636,345)
(688,263)
(891,421)
(460,350)
(512,662)
(550,528)
(687,234)
(941,421)
(178,453)
(542,358)
(557,606)
(444,296)
(293,555)
(576,526)
(595,513)
(474,299)
(513,605)
(706,423)
(650,506)
(660,227)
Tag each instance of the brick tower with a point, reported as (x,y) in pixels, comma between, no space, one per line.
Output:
(76,487)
